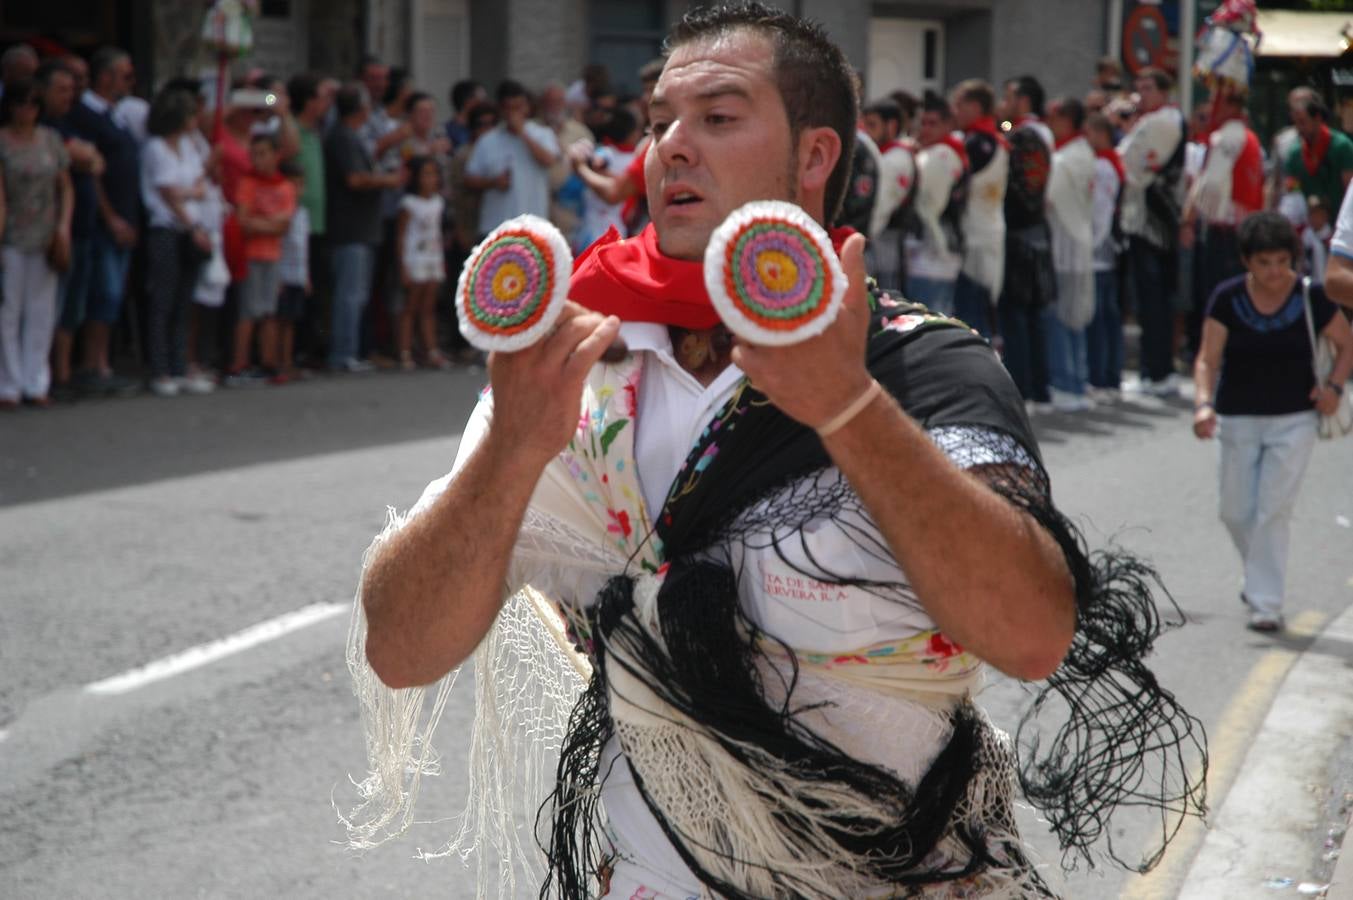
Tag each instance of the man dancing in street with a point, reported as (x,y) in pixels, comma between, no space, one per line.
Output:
(781,569)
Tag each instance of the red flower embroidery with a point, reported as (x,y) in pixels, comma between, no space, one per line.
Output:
(621,524)
(941,647)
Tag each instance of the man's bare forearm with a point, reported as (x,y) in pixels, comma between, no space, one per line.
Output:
(991,578)
(433,590)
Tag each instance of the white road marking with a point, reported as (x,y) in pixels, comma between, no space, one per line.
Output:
(3,734)
(202,654)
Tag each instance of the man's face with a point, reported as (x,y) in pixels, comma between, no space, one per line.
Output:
(1059,124)
(59,95)
(1306,124)
(933,128)
(79,70)
(1099,139)
(965,112)
(1151,96)
(876,128)
(515,108)
(552,104)
(376,77)
(721,138)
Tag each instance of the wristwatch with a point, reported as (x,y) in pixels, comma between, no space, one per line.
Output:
(1337,388)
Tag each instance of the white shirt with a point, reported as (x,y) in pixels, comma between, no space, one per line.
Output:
(929,255)
(897,174)
(423,230)
(1145,151)
(501,151)
(1315,249)
(162,167)
(1107,184)
(598,215)
(673,409)
(1211,193)
(1342,243)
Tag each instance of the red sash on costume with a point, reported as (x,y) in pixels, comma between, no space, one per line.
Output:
(956,145)
(632,279)
(1247,179)
(1114,160)
(987,125)
(1314,157)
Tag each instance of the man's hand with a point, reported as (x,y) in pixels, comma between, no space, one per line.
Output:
(122,231)
(580,153)
(813,381)
(504,181)
(536,391)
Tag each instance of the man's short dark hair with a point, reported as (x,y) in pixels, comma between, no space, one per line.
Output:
(886,110)
(975,90)
(49,68)
(1073,109)
(1164,83)
(905,102)
(18,93)
(462,91)
(351,99)
(368,59)
(415,98)
(1099,122)
(1027,86)
(934,102)
(1266,232)
(509,89)
(104,59)
(816,82)
(170,111)
(301,89)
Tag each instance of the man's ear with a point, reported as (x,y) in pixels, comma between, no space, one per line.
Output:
(819,152)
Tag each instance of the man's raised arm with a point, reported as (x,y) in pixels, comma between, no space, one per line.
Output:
(433,589)
(992,579)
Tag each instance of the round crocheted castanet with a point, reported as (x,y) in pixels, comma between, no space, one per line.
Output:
(514,284)
(773,274)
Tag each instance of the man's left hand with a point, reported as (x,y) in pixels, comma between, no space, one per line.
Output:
(813,381)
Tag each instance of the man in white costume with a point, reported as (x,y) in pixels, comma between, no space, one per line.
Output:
(1153,158)
(935,238)
(983,275)
(1071,220)
(887,127)
(780,637)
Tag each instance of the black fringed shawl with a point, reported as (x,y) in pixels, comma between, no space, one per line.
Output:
(1121,739)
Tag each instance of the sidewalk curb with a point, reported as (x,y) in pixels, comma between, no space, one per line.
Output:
(1264,828)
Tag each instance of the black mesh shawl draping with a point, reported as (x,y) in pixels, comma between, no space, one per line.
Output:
(1119,739)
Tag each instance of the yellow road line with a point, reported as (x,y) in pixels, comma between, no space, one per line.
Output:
(1226,746)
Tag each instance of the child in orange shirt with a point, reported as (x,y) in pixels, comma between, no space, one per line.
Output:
(266,201)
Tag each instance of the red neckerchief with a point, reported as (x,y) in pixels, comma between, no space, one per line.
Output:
(1019,122)
(956,145)
(1314,157)
(1058,144)
(623,148)
(1115,160)
(632,279)
(888,145)
(987,125)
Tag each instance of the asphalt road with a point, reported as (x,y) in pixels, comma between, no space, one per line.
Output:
(138,529)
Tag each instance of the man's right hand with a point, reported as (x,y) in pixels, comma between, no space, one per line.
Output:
(504,181)
(122,231)
(537,391)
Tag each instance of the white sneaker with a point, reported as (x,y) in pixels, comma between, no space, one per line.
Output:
(357,366)
(1165,387)
(196,384)
(164,387)
(1067,402)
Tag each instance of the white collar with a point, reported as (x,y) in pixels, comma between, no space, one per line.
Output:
(95,102)
(653,337)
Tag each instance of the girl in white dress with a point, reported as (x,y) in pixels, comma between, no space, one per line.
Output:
(421,261)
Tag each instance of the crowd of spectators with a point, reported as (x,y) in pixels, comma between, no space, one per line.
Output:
(308,225)
(319,225)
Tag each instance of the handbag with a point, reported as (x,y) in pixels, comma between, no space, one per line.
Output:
(1322,363)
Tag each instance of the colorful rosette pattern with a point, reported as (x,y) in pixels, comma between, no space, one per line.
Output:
(514,284)
(773,275)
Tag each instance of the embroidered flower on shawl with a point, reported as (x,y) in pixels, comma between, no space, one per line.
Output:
(941,647)
(620,523)
(903,324)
